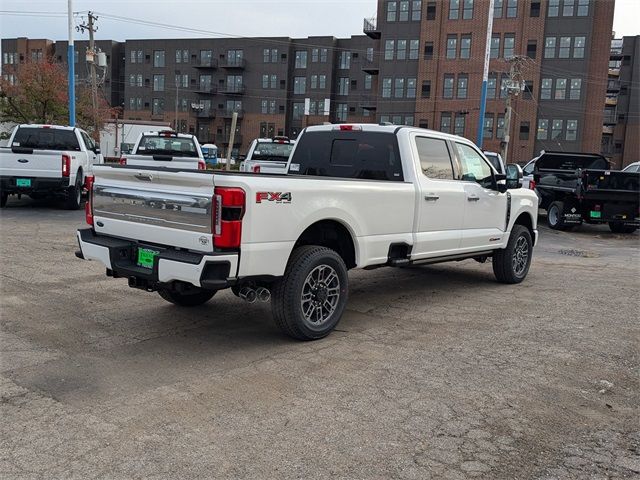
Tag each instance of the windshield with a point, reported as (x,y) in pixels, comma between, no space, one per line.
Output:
(174,146)
(272,151)
(493,160)
(46,139)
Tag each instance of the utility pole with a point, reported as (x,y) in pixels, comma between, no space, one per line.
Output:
(485,76)
(514,87)
(177,75)
(71,63)
(92,65)
(232,138)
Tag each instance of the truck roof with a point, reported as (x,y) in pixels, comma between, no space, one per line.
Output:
(374,127)
(45,125)
(156,133)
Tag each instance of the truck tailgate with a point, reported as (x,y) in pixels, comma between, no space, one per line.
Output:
(611,184)
(169,161)
(39,163)
(155,206)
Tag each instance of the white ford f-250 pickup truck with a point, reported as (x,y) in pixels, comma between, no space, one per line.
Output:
(356,196)
(45,160)
(166,149)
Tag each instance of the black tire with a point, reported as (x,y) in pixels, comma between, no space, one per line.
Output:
(193,298)
(74,195)
(617,227)
(555,216)
(507,266)
(287,302)
(4,196)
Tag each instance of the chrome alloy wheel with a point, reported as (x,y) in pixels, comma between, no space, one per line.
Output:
(320,295)
(520,256)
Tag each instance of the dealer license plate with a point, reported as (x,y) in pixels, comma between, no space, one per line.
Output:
(23,182)
(146,256)
(595,214)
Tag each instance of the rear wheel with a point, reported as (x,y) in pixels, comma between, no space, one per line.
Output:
(308,301)
(555,216)
(192,298)
(617,227)
(74,194)
(511,264)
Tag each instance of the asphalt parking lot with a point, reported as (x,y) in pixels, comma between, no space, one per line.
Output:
(434,372)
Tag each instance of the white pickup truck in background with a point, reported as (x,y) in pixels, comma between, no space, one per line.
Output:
(268,155)
(166,148)
(356,196)
(43,160)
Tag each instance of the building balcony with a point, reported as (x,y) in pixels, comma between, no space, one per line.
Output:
(611,101)
(610,119)
(237,140)
(206,89)
(370,28)
(368,102)
(370,66)
(614,72)
(208,63)
(206,113)
(232,89)
(613,86)
(607,130)
(236,63)
(228,113)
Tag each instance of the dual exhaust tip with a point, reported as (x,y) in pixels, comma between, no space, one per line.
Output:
(251,295)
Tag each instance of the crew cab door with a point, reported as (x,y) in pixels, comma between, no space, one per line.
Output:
(441,199)
(485,208)
(90,146)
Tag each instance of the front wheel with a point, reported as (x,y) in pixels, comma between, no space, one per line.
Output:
(194,297)
(308,301)
(617,227)
(511,264)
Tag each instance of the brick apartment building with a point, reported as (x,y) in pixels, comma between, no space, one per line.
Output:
(418,63)
(621,126)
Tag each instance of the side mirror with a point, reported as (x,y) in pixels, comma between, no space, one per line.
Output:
(96,150)
(500,182)
(514,176)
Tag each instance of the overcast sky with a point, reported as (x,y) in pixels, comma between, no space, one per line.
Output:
(288,18)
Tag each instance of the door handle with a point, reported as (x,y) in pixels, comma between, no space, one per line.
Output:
(473,198)
(144,177)
(431,197)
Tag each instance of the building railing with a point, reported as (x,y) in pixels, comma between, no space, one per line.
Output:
(370,25)
(233,63)
(228,113)
(233,89)
(206,63)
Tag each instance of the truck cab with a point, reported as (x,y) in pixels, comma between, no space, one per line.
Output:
(166,148)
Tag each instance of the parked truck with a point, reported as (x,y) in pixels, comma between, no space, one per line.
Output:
(166,148)
(579,187)
(356,196)
(47,160)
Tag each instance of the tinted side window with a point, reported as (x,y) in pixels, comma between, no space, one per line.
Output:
(528,169)
(348,154)
(435,159)
(46,139)
(473,167)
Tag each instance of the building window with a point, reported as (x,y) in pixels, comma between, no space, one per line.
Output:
(509,44)
(554,7)
(369,54)
(426,89)
(273,81)
(399,88)
(565,47)
(132,103)
(572,130)
(272,107)
(322,82)
(500,127)
(458,128)
(416,10)
(452,46)
(158,58)
(182,56)
(428,51)
(545,89)
(532,47)
(298,110)
(206,57)
(487,127)
(550,47)
(132,80)
(299,85)
(463,84)
(574,91)
(234,57)
(139,80)
(345,60)
(454,10)
(386,87)
(512,8)
(264,106)
(158,106)
(315,55)
(495,46)
(527,93)
(503,85)
(323,55)
(411,87)
(314,82)
(467,9)
(414,47)
(465,46)
(583,8)
(342,112)
(497,10)
(301,59)
(389,46)
(492,82)
(578,47)
(524,131)
(343,86)
(543,129)
(534,12)
(368,80)
(404,11)
(402,50)
(568,8)
(556,129)
(448,86)
(431,11)
(392,11)
(445,122)
(265,81)
(158,83)
(561,89)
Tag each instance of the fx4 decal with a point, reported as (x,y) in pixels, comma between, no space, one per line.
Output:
(278,197)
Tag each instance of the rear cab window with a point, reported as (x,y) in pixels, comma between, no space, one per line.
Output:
(435,158)
(40,138)
(271,151)
(167,145)
(348,154)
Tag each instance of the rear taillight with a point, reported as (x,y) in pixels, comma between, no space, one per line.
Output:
(532,184)
(66,165)
(229,204)
(123,160)
(88,207)
(255,169)
(202,165)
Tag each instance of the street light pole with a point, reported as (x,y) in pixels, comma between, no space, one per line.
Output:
(485,75)
(71,63)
